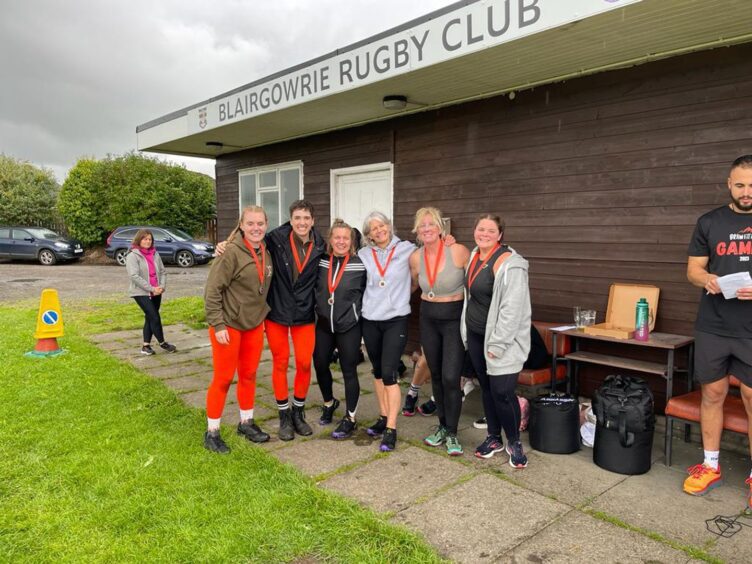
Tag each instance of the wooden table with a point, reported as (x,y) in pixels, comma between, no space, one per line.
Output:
(663,341)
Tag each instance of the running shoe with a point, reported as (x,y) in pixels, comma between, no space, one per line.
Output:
(167,347)
(702,479)
(147,350)
(377,429)
(389,440)
(408,410)
(213,442)
(748,511)
(489,447)
(252,432)
(438,437)
(345,429)
(517,458)
(327,413)
(480,423)
(453,446)
(428,408)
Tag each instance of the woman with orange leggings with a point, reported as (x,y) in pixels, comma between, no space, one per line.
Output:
(235,303)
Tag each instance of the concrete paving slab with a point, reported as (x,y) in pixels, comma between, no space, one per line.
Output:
(198,399)
(189,383)
(579,538)
(656,502)
(180,370)
(320,456)
(476,521)
(397,481)
(118,345)
(569,478)
(111,336)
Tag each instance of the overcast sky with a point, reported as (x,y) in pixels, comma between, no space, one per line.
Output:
(77,77)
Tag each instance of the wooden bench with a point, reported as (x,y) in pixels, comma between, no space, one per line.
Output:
(531,382)
(686,408)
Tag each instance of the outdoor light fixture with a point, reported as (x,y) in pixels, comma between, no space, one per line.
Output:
(394,102)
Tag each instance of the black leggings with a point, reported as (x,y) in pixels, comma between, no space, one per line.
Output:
(499,400)
(385,342)
(348,346)
(442,345)
(152,319)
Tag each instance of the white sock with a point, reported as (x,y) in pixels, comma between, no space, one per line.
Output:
(246,414)
(212,424)
(351,415)
(413,391)
(711,458)
(329,403)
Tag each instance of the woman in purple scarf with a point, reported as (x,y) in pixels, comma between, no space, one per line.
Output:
(147,276)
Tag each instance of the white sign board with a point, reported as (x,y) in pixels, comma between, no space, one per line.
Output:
(467,29)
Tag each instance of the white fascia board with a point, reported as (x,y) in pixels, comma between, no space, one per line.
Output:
(470,27)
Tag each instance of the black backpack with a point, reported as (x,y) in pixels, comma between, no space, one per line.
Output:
(624,404)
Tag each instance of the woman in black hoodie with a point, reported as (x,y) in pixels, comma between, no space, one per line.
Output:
(340,284)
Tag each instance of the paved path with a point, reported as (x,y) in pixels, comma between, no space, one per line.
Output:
(559,509)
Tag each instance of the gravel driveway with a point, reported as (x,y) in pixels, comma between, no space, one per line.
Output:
(25,281)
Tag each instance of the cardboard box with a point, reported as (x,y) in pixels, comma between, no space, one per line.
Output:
(620,315)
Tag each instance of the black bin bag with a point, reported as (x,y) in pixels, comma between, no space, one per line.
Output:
(625,415)
(555,423)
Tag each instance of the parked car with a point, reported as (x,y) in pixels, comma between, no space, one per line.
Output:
(173,245)
(38,243)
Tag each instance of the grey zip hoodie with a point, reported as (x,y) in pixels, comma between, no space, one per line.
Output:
(509,316)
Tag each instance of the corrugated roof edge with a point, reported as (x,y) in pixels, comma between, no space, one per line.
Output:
(388,32)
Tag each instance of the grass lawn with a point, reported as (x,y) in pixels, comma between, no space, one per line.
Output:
(99,462)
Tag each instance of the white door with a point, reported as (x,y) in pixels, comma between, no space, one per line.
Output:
(357,191)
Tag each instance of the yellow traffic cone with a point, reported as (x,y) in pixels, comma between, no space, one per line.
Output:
(49,326)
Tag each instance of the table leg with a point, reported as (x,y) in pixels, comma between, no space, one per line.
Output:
(554,362)
(670,375)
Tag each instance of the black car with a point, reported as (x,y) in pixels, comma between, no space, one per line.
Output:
(38,243)
(173,245)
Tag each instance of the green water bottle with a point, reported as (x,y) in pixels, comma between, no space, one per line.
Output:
(642,320)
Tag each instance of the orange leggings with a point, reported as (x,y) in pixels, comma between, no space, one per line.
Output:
(242,354)
(303,340)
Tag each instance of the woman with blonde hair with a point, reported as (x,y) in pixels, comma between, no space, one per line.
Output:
(439,270)
(235,304)
(147,284)
(340,282)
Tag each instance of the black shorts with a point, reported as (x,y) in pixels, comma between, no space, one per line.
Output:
(717,356)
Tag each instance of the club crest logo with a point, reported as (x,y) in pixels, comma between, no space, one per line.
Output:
(202,115)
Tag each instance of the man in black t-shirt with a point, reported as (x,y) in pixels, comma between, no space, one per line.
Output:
(721,245)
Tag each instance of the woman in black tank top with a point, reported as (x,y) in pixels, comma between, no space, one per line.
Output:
(500,403)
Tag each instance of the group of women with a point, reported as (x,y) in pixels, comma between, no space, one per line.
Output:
(477,301)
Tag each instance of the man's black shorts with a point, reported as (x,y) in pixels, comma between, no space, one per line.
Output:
(717,356)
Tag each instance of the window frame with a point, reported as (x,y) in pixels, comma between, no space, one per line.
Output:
(277,168)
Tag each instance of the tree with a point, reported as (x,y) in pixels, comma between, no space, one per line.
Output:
(98,196)
(27,193)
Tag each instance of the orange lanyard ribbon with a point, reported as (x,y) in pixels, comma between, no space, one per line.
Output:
(296,256)
(382,271)
(473,274)
(333,285)
(260,265)
(432,275)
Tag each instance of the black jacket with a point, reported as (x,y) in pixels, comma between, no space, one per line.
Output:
(344,313)
(292,303)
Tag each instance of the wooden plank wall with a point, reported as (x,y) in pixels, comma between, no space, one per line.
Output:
(599,179)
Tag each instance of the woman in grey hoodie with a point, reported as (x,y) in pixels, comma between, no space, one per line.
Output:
(147,284)
(496,332)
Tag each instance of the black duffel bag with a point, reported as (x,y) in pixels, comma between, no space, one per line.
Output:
(623,407)
(554,425)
